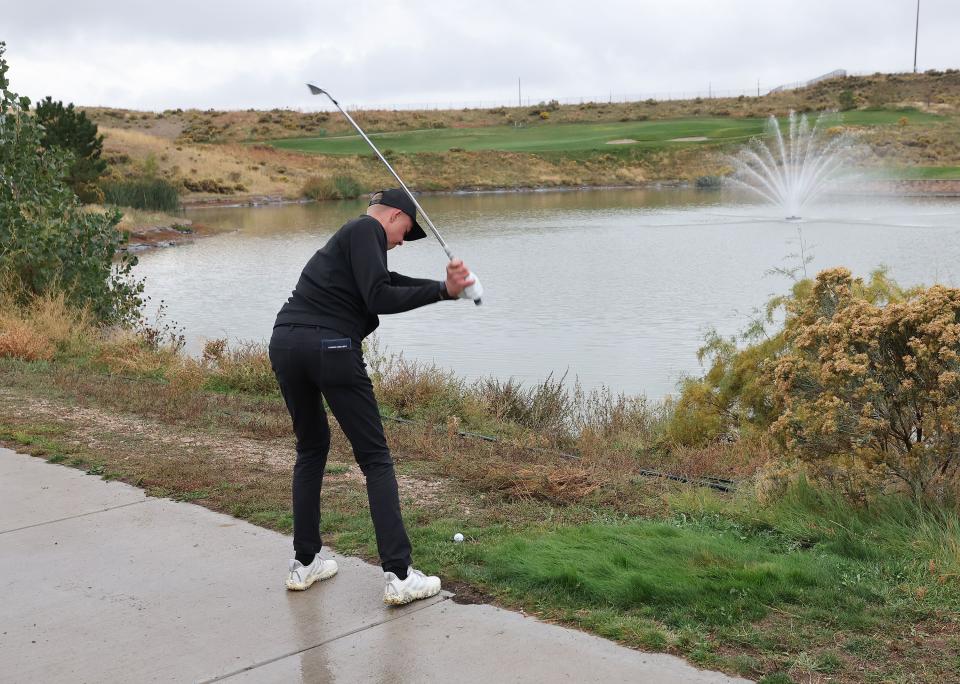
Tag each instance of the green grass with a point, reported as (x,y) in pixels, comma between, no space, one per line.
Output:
(674,574)
(547,137)
(926,173)
(726,582)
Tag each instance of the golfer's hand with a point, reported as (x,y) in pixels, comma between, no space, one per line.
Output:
(457,278)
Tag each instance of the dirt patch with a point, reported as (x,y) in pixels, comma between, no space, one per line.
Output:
(693,138)
(621,141)
(91,423)
(465,594)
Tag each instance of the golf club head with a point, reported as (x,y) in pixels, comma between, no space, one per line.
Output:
(315,90)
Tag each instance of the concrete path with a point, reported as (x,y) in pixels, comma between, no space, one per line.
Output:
(99,583)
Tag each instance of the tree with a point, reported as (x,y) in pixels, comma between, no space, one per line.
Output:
(69,129)
(847,100)
(47,240)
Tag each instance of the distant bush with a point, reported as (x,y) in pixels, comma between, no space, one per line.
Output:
(331,188)
(210,185)
(709,182)
(544,115)
(347,186)
(846,100)
(142,193)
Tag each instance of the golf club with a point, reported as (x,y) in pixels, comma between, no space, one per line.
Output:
(475,291)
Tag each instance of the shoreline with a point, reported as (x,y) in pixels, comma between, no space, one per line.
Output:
(161,236)
(932,187)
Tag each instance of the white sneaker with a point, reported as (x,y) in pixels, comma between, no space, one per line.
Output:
(301,576)
(416,586)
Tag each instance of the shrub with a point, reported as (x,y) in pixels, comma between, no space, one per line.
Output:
(347,186)
(49,243)
(544,115)
(736,396)
(209,185)
(155,194)
(871,394)
(846,100)
(331,188)
(318,188)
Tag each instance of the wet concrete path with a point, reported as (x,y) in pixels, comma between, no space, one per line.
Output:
(100,583)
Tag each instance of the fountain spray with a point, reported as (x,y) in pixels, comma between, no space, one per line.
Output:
(475,291)
(790,172)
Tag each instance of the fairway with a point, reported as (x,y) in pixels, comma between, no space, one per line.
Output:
(569,137)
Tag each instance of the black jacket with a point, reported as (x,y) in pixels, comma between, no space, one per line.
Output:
(346,284)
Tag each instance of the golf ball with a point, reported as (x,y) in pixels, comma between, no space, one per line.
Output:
(458,537)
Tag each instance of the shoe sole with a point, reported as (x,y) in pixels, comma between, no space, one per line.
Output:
(327,574)
(409,597)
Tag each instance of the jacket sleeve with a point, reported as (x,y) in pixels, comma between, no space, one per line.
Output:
(368,258)
(407,281)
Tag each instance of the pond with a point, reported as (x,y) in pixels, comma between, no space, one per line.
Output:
(613,288)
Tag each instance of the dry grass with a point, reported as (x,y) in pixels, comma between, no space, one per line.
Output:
(45,328)
(244,369)
(552,443)
(20,341)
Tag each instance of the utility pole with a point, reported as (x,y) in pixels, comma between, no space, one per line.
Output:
(758,87)
(519,94)
(916,35)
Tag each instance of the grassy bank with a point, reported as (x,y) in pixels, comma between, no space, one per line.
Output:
(907,119)
(559,518)
(543,137)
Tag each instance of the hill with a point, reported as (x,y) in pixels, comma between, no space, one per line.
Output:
(911,120)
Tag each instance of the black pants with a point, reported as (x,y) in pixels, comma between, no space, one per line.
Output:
(312,364)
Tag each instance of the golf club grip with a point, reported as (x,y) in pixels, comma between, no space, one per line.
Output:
(474,291)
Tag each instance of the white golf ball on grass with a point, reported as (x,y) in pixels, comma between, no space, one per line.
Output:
(458,537)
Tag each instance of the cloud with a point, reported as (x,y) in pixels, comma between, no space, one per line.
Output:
(246,54)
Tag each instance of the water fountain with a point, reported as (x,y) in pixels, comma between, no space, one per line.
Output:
(790,172)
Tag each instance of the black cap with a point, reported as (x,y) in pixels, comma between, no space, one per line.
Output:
(398,199)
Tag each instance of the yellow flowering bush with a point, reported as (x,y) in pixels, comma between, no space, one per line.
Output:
(867,391)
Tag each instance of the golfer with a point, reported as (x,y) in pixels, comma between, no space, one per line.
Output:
(315,353)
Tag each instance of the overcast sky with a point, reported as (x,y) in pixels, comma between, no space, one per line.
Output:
(200,53)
